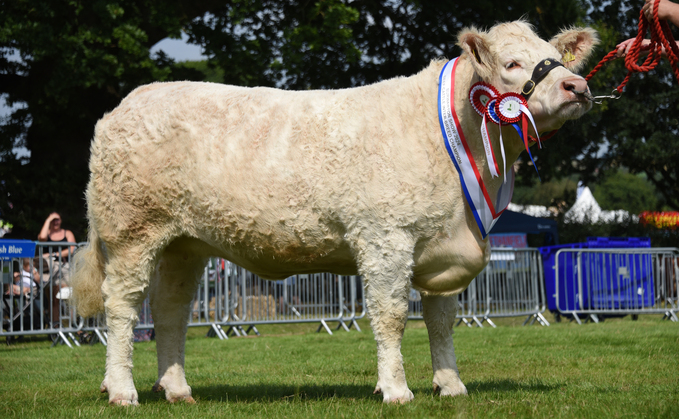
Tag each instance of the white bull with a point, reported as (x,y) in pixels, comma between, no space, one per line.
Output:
(354,181)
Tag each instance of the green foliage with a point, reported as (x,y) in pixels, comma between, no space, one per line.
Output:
(625,191)
(210,73)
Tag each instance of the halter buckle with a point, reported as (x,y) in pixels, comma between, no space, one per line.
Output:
(530,84)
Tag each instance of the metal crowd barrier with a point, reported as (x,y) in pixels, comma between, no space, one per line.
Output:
(616,282)
(232,301)
(511,285)
(231,298)
(41,308)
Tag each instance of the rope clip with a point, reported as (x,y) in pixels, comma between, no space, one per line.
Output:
(615,94)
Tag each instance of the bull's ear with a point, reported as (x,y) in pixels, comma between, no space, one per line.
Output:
(575,46)
(475,43)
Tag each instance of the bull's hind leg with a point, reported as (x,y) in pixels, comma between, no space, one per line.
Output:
(173,286)
(124,290)
(386,264)
(439,316)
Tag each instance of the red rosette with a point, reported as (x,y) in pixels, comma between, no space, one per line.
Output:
(480,94)
(508,107)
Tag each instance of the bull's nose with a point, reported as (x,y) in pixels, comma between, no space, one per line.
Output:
(575,85)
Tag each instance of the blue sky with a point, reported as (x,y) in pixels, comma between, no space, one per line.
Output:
(179,49)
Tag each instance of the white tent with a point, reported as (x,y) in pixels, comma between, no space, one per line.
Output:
(587,209)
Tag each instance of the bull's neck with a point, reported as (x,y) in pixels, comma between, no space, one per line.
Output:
(470,123)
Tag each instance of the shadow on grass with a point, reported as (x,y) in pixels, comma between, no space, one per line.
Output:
(509,386)
(265,393)
(271,393)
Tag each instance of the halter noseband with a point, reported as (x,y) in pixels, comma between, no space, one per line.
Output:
(539,72)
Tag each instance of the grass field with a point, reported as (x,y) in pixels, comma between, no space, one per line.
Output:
(619,368)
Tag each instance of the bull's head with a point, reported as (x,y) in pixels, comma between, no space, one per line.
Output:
(506,57)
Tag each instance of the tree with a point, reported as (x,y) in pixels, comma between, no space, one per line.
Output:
(620,190)
(339,44)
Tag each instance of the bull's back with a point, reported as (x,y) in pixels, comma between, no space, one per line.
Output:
(277,182)
(236,168)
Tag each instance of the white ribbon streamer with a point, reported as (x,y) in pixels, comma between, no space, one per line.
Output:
(504,160)
(488,148)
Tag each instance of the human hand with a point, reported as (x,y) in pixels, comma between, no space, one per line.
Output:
(53,216)
(622,49)
(667,10)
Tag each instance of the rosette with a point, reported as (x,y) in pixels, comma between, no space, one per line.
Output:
(509,107)
(480,94)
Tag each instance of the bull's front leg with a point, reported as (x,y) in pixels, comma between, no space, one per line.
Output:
(386,265)
(439,316)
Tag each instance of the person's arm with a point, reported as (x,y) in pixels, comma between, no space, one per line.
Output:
(667,10)
(43,236)
(71,239)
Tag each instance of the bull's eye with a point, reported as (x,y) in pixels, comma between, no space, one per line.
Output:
(511,65)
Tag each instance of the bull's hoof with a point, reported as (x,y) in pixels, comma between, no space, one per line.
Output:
(185,399)
(120,398)
(402,399)
(174,393)
(123,402)
(450,391)
(124,399)
(400,396)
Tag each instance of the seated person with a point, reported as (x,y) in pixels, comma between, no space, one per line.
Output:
(24,281)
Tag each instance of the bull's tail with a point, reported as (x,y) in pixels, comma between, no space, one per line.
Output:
(88,277)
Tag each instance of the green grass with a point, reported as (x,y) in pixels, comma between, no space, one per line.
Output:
(619,368)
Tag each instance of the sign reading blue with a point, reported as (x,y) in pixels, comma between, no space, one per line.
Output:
(16,249)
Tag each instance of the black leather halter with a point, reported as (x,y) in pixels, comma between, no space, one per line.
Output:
(539,72)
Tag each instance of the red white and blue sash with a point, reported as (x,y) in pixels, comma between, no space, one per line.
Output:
(485,212)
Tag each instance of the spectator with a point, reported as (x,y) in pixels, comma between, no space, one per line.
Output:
(57,262)
(26,280)
(667,10)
